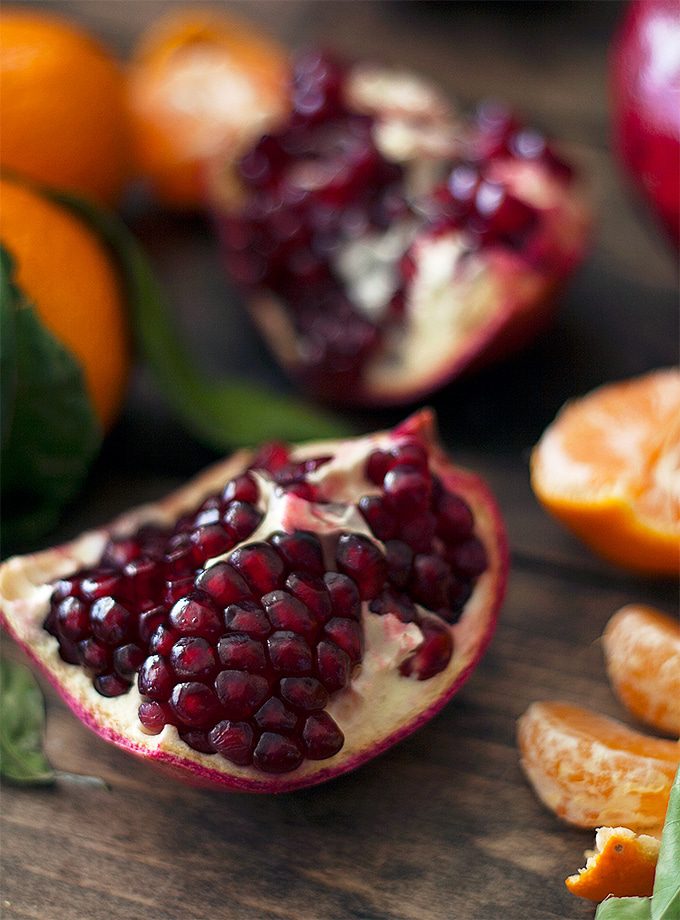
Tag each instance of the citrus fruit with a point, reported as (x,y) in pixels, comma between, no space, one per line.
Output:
(594,771)
(622,864)
(608,467)
(201,85)
(63,118)
(642,650)
(68,274)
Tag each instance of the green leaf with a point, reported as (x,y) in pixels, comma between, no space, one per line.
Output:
(624,909)
(224,414)
(50,431)
(666,895)
(22,718)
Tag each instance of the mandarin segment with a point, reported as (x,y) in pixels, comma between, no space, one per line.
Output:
(608,467)
(592,771)
(642,650)
(623,865)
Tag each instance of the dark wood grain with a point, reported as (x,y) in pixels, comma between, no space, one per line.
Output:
(443,826)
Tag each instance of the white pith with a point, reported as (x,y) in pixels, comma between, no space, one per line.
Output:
(379,701)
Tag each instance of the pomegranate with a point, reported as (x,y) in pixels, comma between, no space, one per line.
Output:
(645,85)
(276,652)
(384,245)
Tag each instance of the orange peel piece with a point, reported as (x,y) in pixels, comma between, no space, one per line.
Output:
(622,864)
(593,771)
(642,651)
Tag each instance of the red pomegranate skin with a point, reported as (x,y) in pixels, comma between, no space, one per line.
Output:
(645,88)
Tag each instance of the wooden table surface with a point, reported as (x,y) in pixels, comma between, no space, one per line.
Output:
(442,826)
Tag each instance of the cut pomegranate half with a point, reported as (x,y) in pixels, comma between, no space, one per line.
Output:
(252,633)
(385,245)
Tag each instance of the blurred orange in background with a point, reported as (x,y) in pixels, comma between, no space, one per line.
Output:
(202,85)
(63,120)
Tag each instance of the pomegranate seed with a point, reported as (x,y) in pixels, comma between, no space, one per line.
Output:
(69,651)
(111,622)
(241,519)
(194,704)
(399,605)
(206,518)
(111,685)
(377,466)
(304,490)
(241,694)
(73,619)
(409,453)
(223,583)
(242,489)
(234,740)
(176,590)
(260,565)
(344,595)
(248,617)
(194,616)
(142,579)
(434,652)
(461,590)
(94,655)
(120,551)
(289,653)
(274,717)
(209,541)
(192,658)
(312,593)
(468,558)
(304,693)
(102,583)
(153,717)
(127,659)
(333,665)
(179,561)
(162,639)
(407,491)
(399,558)
(321,736)
(270,457)
(419,531)
(378,517)
(276,754)
(148,623)
(431,581)
(361,559)
(287,612)
(300,551)
(198,740)
(347,634)
(155,679)
(241,653)
(454,518)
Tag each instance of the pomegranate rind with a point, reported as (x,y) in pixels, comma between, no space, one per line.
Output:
(405,703)
(623,865)
(592,771)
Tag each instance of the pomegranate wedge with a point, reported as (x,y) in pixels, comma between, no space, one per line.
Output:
(284,617)
(384,244)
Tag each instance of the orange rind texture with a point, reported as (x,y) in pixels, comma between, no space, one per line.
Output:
(622,864)
(593,771)
(607,468)
(642,651)
(202,85)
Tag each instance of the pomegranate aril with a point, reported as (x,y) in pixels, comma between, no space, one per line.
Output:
(241,694)
(68,651)
(192,658)
(179,562)
(73,619)
(143,579)
(153,716)
(312,593)
(433,654)
(242,489)
(274,717)
(301,551)
(460,593)
(177,589)
(155,679)
(66,587)
(247,617)
(111,622)
(233,740)
(305,693)
(270,457)
(399,558)
(102,583)
(94,655)
(287,612)
(242,653)
(198,740)
(194,704)
(118,552)
(454,517)
(377,465)
(223,583)
(407,491)
(378,517)
(399,605)
(418,532)
(127,659)
(289,653)
(148,622)
(468,558)
(241,519)
(430,581)
(260,565)
(344,595)
(348,635)
(333,666)
(111,685)
(361,560)
(321,736)
(210,540)
(411,454)
(162,639)
(275,753)
(195,616)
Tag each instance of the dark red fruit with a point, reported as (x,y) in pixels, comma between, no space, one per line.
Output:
(241,652)
(362,561)
(195,616)
(192,658)
(321,736)
(241,694)
(277,754)
(234,740)
(260,565)
(194,704)
(223,583)
(111,622)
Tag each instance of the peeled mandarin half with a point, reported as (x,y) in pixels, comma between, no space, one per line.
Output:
(609,469)
(593,771)
(622,864)
(642,649)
